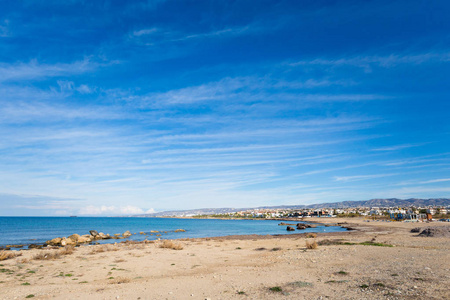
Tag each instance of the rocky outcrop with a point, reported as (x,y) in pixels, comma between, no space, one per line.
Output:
(180,230)
(94,233)
(126,234)
(289,228)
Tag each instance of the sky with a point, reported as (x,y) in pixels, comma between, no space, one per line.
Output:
(127,107)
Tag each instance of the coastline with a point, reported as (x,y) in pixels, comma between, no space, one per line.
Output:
(236,267)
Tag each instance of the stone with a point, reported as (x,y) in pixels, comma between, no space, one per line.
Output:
(126,234)
(93,232)
(74,237)
(54,242)
(289,228)
(35,246)
(180,230)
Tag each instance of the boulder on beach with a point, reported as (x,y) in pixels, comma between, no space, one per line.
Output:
(93,232)
(289,228)
(126,234)
(54,242)
(74,237)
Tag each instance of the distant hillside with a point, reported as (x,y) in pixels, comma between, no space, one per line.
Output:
(345,204)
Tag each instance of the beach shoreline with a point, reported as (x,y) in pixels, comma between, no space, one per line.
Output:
(343,265)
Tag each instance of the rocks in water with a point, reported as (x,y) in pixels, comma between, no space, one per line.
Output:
(284,224)
(180,230)
(289,228)
(126,234)
(94,233)
(35,246)
(141,232)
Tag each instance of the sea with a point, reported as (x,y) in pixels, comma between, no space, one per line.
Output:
(37,230)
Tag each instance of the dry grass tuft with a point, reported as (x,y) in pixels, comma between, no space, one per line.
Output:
(120,280)
(311,235)
(104,248)
(171,245)
(312,245)
(47,255)
(67,250)
(4,255)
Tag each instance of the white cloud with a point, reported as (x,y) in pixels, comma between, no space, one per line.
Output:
(436,180)
(150,211)
(110,210)
(145,31)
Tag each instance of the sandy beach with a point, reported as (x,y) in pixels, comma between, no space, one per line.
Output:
(243,267)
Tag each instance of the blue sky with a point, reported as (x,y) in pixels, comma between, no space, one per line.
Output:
(122,107)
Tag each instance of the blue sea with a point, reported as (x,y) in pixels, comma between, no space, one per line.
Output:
(37,230)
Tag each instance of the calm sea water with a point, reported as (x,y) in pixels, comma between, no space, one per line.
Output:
(36,230)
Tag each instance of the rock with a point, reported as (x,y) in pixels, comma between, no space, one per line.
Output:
(126,234)
(84,239)
(54,242)
(301,226)
(417,229)
(74,237)
(289,228)
(102,235)
(93,232)
(35,246)
(180,230)
(154,231)
(441,231)
(141,232)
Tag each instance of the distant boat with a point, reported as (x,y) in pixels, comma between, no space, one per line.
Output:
(73,216)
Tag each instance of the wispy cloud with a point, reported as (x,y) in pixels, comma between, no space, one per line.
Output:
(361,177)
(388,61)
(436,180)
(398,147)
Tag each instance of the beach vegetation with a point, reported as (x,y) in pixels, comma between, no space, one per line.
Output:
(171,245)
(120,280)
(26,283)
(30,296)
(311,235)
(240,292)
(364,286)
(276,289)
(312,245)
(276,249)
(4,255)
(342,273)
(300,284)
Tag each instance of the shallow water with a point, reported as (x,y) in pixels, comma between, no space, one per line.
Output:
(37,230)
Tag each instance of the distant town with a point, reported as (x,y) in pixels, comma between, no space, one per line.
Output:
(396,209)
(397,213)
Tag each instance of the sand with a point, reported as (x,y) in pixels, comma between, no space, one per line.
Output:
(244,267)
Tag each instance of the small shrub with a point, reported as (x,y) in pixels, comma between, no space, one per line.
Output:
(120,280)
(342,273)
(26,283)
(240,292)
(171,245)
(300,284)
(379,284)
(276,289)
(312,245)
(260,249)
(364,286)
(276,249)
(67,250)
(30,296)
(4,255)
(47,256)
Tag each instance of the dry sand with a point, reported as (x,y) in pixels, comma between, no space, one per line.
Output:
(244,268)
